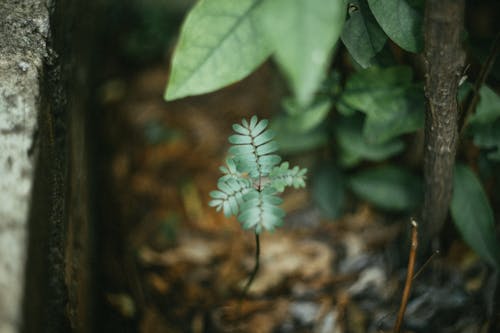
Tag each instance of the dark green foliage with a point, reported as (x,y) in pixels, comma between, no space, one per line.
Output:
(473,216)
(485,124)
(252,178)
(401,20)
(362,35)
(366,110)
(328,190)
(388,187)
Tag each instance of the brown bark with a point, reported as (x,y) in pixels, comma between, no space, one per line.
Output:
(444,60)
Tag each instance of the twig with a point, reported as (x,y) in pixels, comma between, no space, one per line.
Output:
(425,264)
(255,268)
(409,277)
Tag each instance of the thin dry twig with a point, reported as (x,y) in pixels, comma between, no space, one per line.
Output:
(409,277)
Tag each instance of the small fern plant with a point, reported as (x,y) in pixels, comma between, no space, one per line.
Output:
(253,179)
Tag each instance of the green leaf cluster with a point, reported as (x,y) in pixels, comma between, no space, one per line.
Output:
(223,41)
(252,178)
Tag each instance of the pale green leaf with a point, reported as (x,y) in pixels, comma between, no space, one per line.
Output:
(304,33)
(473,215)
(362,35)
(400,21)
(305,119)
(220,43)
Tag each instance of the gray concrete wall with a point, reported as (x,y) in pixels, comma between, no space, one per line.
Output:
(45,230)
(23,33)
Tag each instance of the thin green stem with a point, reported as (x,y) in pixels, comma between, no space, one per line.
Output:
(255,268)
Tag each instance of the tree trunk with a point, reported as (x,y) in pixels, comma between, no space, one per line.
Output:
(444,60)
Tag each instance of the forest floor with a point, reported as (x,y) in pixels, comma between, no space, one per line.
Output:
(172,264)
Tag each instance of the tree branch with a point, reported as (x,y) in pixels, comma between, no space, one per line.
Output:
(444,60)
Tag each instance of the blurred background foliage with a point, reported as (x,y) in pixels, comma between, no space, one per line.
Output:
(363,129)
(360,135)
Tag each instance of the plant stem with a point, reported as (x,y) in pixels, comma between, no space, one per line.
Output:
(444,59)
(255,268)
(409,277)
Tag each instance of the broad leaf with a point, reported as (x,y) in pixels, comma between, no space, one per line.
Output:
(303,33)
(220,43)
(392,104)
(354,147)
(305,119)
(328,190)
(375,91)
(388,187)
(362,35)
(408,118)
(473,215)
(400,21)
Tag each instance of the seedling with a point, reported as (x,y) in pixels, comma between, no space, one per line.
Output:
(252,181)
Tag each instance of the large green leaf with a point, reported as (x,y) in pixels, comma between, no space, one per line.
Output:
(328,190)
(303,33)
(220,43)
(376,91)
(400,21)
(392,104)
(362,35)
(406,119)
(473,215)
(354,147)
(388,187)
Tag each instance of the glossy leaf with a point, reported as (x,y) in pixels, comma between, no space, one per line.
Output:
(361,34)
(219,44)
(473,215)
(303,33)
(388,187)
(402,22)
